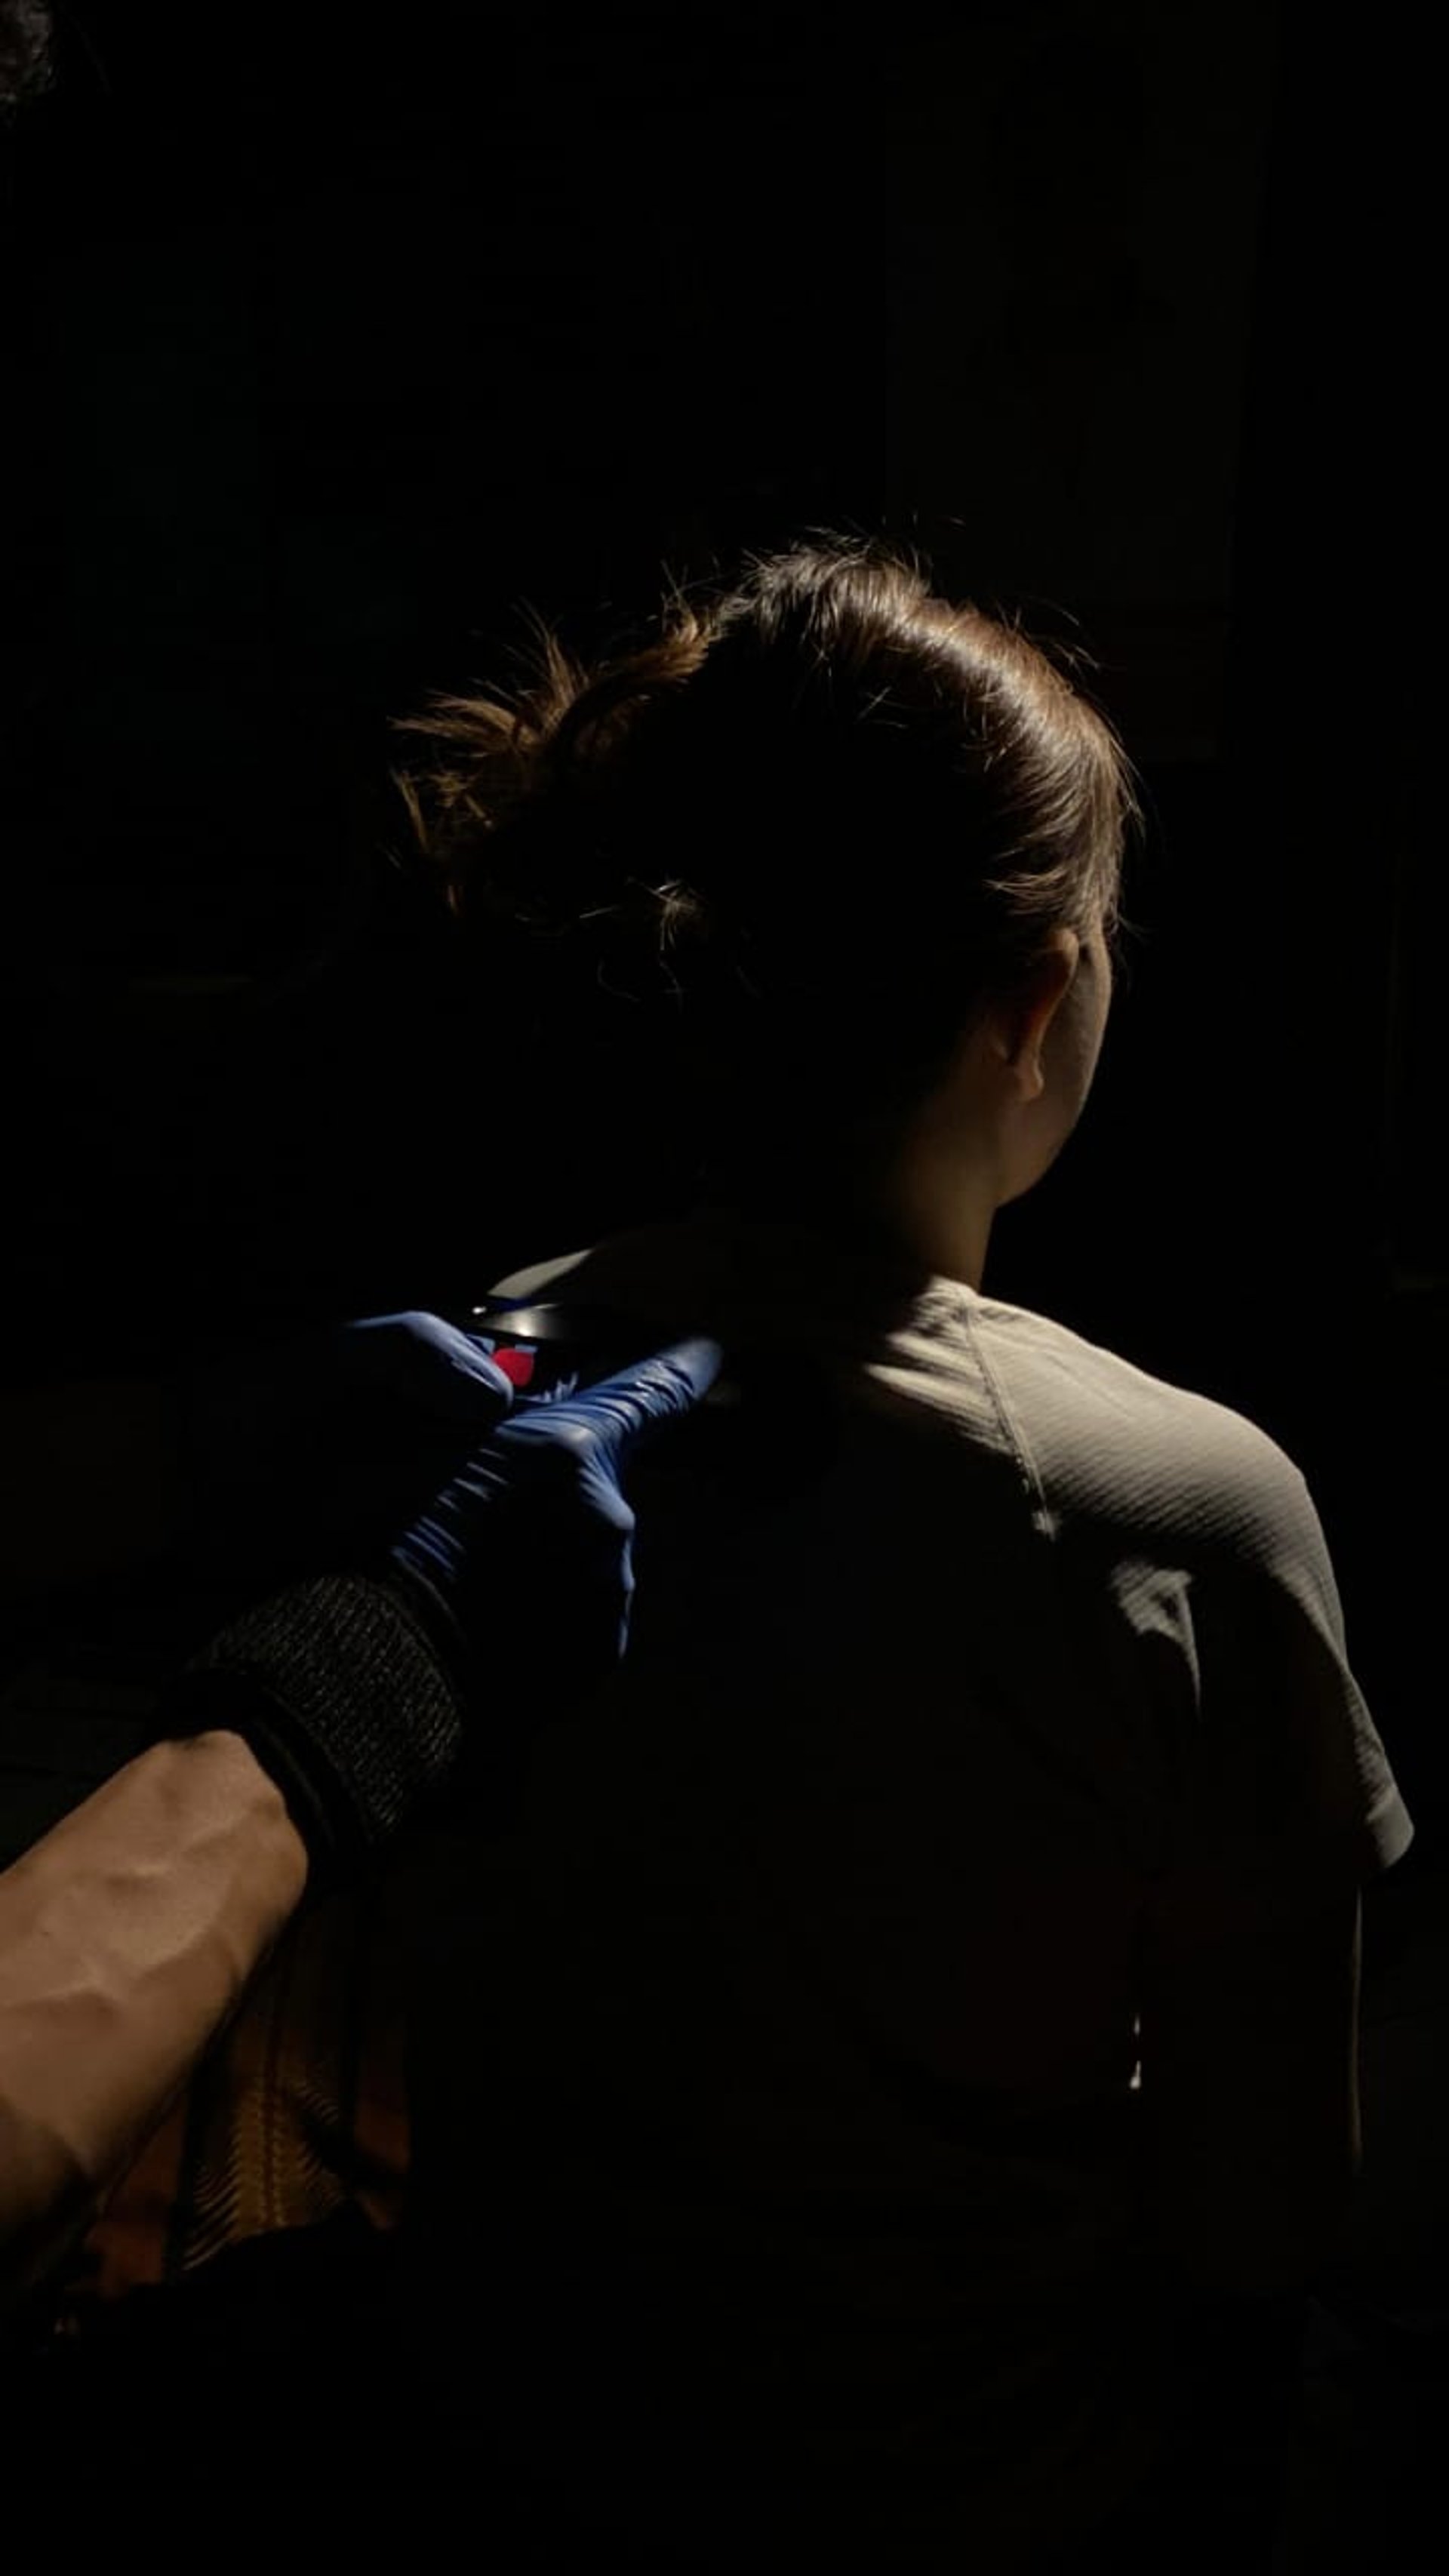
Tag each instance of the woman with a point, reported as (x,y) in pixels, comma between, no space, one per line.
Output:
(920,2079)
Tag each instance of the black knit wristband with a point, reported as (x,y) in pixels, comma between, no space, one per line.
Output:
(344,1697)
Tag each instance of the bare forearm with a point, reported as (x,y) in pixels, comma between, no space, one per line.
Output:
(127,1937)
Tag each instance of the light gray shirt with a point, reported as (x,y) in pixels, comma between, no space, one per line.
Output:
(943,1925)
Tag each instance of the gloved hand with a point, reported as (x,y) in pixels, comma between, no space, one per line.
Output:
(317,1449)
(356,1689)
(477,1562)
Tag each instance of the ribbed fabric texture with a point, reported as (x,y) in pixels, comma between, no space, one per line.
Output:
(346,1699)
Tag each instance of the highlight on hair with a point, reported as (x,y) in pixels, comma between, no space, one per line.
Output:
(796,839)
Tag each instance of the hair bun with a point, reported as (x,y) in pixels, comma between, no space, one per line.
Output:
(818,821)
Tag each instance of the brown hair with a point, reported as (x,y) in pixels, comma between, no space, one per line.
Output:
(790,845)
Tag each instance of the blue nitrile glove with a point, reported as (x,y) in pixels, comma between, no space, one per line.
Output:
(474,1573)
(317,1449)
(356,1689)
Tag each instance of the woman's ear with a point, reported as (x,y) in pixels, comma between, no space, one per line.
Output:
(1019,1026)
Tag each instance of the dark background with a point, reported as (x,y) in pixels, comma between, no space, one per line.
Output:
(334,337)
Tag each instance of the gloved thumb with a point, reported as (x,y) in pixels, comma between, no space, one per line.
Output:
(432,1367)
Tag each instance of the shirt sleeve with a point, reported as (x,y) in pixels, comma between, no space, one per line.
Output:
(1285,1803)
(1284,1702)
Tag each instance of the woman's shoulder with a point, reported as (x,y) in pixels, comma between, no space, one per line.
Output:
(1120,1441)
(1101,1437)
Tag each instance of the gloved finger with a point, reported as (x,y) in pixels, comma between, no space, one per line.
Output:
(611,1414)
(671,1382)
(433,1366)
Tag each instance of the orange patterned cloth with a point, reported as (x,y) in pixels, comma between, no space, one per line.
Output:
(299,2108)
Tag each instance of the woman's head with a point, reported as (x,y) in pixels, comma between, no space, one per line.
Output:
(794,853)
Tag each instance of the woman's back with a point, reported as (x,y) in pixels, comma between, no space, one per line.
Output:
(805,2144)
(986,1732)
